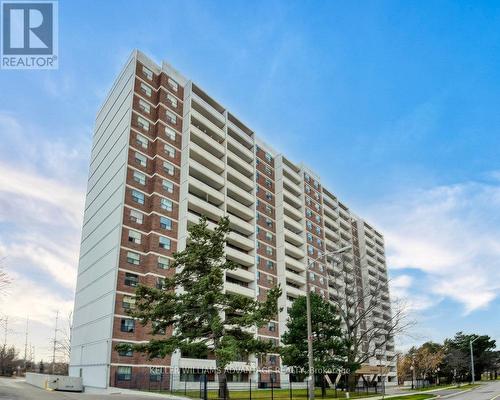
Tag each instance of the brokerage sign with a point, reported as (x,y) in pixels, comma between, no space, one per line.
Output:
(29,35)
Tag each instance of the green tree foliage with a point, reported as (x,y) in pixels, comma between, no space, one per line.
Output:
(329,346)
(193,305)
(459,347)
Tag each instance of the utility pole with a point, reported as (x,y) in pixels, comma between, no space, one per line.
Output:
(5,332)
(472,360)
(26,343)
(54,344)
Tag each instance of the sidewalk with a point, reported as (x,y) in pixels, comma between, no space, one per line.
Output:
(130,392)
(409,393)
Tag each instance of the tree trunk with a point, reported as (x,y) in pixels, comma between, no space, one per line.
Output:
(351,381)
(223,391)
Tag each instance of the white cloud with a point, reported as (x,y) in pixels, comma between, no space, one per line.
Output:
(42,189)
(449,233)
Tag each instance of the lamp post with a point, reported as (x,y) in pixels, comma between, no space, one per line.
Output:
(412,368)
(472,360)
(309,322)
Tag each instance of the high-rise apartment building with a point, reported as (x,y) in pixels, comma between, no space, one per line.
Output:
(165,153)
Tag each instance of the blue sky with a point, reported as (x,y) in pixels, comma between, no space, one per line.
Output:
(394,104)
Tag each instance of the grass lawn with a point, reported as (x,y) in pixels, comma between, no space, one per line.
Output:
(277,394)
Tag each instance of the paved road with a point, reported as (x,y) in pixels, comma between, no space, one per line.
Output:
(17,389)
(487,391)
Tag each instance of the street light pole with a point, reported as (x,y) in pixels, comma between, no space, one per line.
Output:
(309,319)
(472,360)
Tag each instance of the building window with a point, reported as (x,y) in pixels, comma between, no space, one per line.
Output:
(141,159)
(124,373)
(160,283)
(138,197)
(155,375)
(134,237)
(139,177)
(165,223)
(166,204)
(269,158)
(269,236)
(163,262)
(169,150)
(269,209)
(131,279)
(136,216)
(167,186)
(310,250)
(133,258)
(169,168)
(309,224)
(269,223)
(126,353)
(318,230)
(170,133)
(269,264)
(271,326)
(309,237)
(147,73)
(164,243)
(318,219)
(143,124)
(142,141)
(128,302)
(145,107)
(171,117)
(127,325)
(173,84)
(269,251)
(172,100)
(146,89)
(269,196)
(269,184)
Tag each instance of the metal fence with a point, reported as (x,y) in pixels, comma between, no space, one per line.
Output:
(208,388)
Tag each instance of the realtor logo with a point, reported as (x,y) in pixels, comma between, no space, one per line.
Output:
(29,35)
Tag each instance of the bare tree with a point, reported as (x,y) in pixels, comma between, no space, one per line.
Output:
(63,344)
(369,323)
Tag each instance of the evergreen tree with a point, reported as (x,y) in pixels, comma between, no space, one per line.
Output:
(194,306)
(329,346)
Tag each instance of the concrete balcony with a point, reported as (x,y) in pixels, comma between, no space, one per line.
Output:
(241,274)
(203,140)
(204,157)
(294,292)
(239,179)
(202,207)
(240,225)
(243,136)
(239,194)
(235,207)
(238,289)
(294,264)
(291,199)
(290,173)
(293,251)
(205,175)
(293,238)
(295,278)
(211,129)
(216,114)
(292,212)
(203,190)
(292,224)
(240,257)
(237,148)
(241,241)
(193,219)
(291,187)
(239,164)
